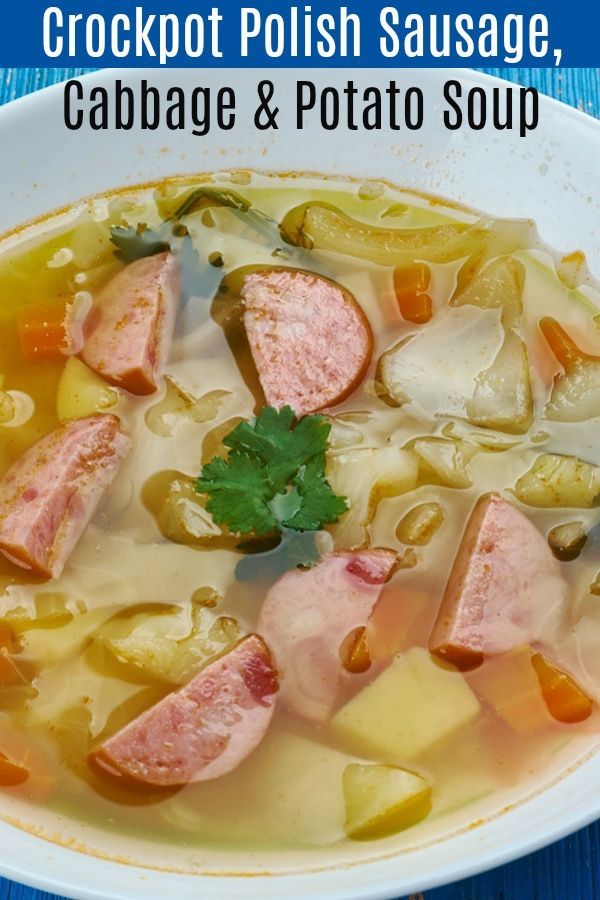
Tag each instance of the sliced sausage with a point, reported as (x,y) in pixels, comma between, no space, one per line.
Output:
(310,341)
(504,590)
(49,495)
(129,328)
(308,617)
(203,730)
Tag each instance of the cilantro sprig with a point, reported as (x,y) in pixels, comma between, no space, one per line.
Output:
(274,476)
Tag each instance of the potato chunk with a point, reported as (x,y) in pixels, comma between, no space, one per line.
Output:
(498,286)
(556,480)
(414,704)
(381,800)
(502,397)
(153,651)
(82,393)
(575,393)
(444,460)
(177,508)
(364,476)
(178,405)
(436,370)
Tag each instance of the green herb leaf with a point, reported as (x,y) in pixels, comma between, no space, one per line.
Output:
(136,243)
(274,476)
(273,439)
(239,492)
(318,503)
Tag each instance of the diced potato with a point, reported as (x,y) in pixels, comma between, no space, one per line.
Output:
(555,480)
(575,393)
(443,460)
(151,649)
(321,226)
(413,705)
(82,393)
(420,524)
(343,435)
(178,404)
(171,498)
(381,800)
(502,397)
(567,540)
(437,368)
(498,286)
(364,476)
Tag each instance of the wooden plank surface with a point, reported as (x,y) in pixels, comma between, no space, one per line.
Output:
(570,869)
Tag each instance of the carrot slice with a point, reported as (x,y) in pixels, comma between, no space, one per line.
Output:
(10,773)
(562,344)
(42,332)
(411,284)
(565,700)
(7,637)
(10,673)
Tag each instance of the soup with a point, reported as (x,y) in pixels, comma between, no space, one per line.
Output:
(297,513)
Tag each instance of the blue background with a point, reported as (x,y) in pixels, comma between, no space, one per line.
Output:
(569,870)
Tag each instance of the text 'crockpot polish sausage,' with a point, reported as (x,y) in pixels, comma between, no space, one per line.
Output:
(203,730)
(310,340)
(306,617)
(128,331)
(49,495)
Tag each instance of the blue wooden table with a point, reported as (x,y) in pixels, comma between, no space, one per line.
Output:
(569,870)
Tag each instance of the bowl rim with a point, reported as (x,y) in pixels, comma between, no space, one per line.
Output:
(485,859)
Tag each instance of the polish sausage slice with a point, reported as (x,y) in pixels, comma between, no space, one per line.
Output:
(49,495)
(310,340)
(128,331)
(203,730)
(504,590)
(306,617)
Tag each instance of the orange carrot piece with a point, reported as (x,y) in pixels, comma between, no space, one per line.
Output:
(7,637)
(565,700)
(411,284)
(42,333)
(10,773)
(562,344)
(10,673)
(21,764)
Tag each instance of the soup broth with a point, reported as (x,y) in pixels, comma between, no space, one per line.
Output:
(482,382)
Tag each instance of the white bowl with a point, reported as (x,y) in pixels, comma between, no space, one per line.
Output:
(551,176)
